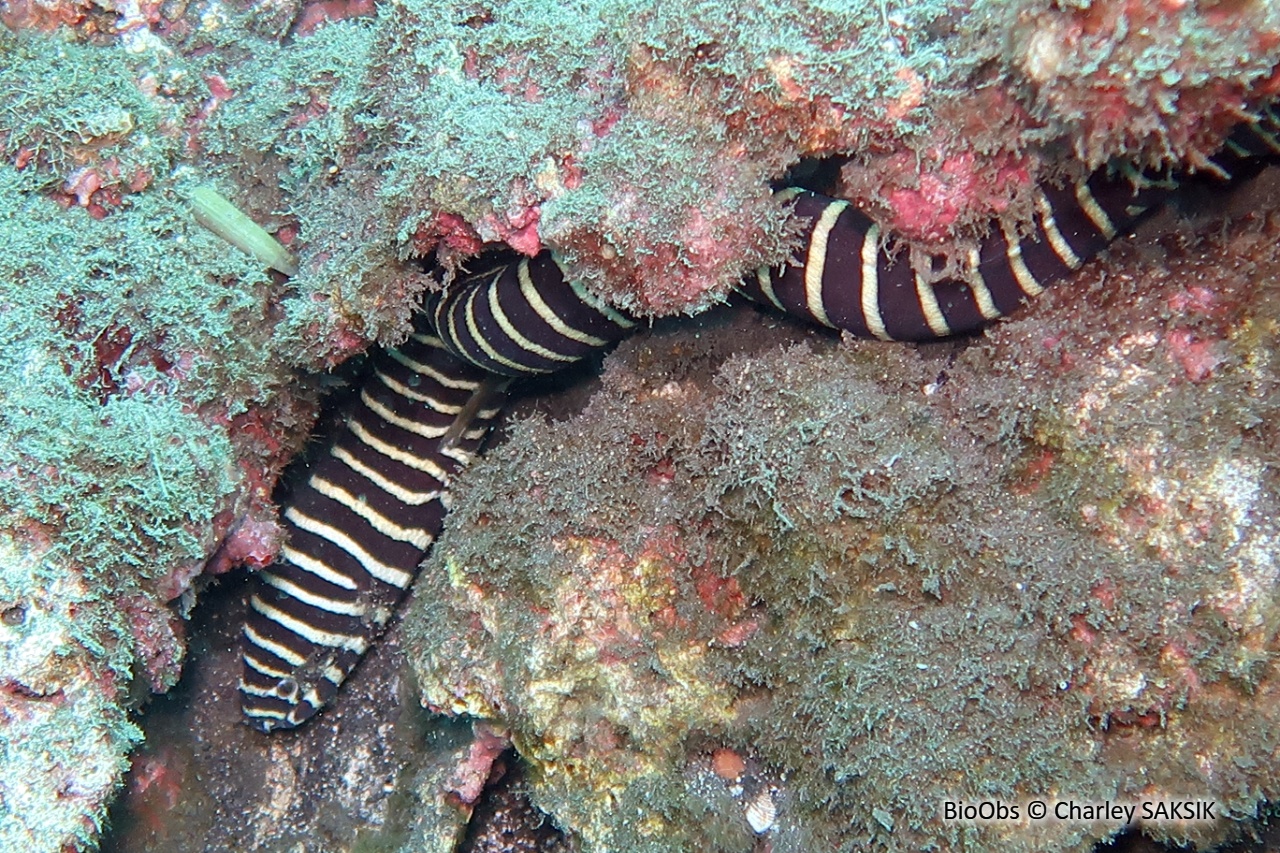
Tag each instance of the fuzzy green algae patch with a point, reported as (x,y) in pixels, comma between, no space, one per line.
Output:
(111,482)
(64,738)
(138,354)
(62,100)
(102,323)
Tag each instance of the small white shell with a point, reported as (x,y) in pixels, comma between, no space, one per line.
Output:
(761,811)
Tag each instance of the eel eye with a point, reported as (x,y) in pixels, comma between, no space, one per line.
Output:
(287,689)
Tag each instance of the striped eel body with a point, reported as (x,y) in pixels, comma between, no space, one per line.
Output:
(358,528)
(525,318)
(362,523)
(842,278)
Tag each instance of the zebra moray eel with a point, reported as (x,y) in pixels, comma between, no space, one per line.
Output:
(841,277)
(361,524)
(525,318)
(358,528)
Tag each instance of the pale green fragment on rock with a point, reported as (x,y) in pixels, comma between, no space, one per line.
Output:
(229,222)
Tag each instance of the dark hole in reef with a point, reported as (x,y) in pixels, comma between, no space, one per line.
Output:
(816,174)
(1203,196)
(709,52)
(477,17)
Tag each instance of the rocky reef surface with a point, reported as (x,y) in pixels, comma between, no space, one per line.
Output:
(156,380)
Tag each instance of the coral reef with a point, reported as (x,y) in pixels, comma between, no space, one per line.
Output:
(811,591)
(151,380)
(638,143)
(125,378)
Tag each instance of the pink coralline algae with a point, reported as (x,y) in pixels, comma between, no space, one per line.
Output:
(1106,71)
(468,781)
